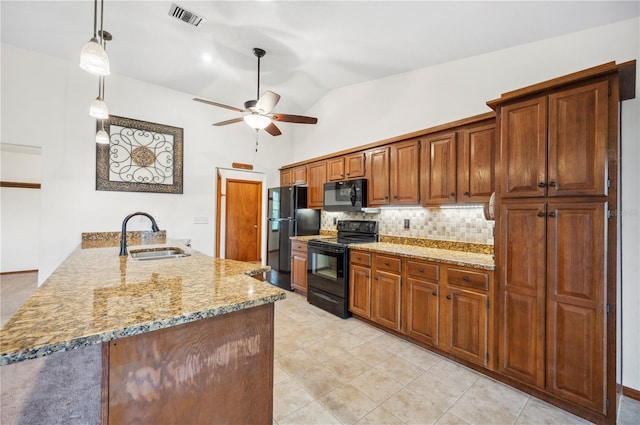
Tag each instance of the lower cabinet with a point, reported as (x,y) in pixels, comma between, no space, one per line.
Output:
(440,305)
(299,266)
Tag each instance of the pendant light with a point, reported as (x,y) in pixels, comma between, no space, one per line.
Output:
(98,108)
(102,137)
(93,57)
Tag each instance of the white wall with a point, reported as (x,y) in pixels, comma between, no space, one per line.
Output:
(45,102)
(19,208)
(376,110)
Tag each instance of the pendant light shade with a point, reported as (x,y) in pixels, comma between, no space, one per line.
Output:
(99,109)
(257,121)
(102,137)
(94,59)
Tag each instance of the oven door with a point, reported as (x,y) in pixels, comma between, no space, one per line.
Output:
(326,269)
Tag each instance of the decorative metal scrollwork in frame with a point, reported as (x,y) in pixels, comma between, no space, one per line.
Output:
(140,157)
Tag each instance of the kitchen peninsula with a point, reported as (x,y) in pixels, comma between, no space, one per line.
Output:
(186,339)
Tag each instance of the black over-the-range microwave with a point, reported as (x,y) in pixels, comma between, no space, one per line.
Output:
(345,195)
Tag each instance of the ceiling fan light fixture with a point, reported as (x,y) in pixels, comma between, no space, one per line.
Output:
(99,109)
(257,121)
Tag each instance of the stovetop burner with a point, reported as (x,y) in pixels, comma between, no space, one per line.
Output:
(352,232)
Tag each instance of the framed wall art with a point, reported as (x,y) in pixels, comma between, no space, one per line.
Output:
(140,157)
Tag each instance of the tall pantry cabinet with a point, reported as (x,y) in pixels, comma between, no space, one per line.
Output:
(556,184)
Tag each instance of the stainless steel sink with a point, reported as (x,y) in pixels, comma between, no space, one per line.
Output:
(157,253)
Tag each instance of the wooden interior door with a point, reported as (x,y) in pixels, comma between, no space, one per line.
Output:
(243,218)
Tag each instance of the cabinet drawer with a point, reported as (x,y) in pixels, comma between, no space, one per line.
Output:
(391,264)
(422,270)
(298,246)
(468,279)
(362,258)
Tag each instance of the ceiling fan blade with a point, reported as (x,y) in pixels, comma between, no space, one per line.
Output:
(221,105)
(267,102)
(227,122)
(273,130)
(299,119)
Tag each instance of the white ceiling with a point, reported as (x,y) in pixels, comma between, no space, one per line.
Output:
(312,46)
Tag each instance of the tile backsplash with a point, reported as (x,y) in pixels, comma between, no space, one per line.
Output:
(458,224)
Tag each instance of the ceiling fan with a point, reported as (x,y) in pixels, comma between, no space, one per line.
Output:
(258,113)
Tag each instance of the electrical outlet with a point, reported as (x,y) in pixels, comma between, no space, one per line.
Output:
(406,223)
(335,220)
(200,220)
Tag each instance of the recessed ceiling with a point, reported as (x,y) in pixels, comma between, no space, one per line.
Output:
(312,46)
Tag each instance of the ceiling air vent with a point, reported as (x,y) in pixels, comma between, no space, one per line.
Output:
(184,15)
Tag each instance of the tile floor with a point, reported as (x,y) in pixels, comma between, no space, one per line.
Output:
(333,371)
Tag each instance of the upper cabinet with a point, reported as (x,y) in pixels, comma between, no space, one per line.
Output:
(556,144)
(378,175)
(293,176)
(439,164)
(346,167)
(476,158)
(317,179)
(404,171)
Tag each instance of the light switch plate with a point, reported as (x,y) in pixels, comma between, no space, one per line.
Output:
(406,223)
(200,220)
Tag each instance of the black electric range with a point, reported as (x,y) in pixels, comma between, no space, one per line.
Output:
(328,265)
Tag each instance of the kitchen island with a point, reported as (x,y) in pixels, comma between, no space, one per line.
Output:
(183,340)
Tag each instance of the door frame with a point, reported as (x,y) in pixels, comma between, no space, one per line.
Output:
(222,174)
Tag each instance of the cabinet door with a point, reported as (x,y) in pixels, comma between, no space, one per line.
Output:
(317,179)
(335,169)
(299,271)
(360,290)
(299,175)
(378,172)
(476,158)
(578,128)
(523,148)
(521,317)
(438,163)
(403,173)
(354,165)
(466,318)
(285,178)
(385,306)
(421,307)
(576,316)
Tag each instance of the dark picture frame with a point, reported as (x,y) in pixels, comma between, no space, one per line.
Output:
(141,157)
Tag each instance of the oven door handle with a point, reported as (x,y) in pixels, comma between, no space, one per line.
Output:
(324,297)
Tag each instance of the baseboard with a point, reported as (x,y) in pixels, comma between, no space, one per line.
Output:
(18,272)
(631,393)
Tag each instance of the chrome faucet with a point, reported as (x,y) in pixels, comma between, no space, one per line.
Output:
(123,237)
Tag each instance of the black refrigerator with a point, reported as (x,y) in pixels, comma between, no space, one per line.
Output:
(288,216)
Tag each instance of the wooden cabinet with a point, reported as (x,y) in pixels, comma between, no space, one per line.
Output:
(476,159)
(317,173)
(552,316)
(421,301)
(293,176)
(404,171)
(360,283)
(346,167)
(386,295)
(465,319)
(299,266)
(556,144)
(378,175)
(438,160)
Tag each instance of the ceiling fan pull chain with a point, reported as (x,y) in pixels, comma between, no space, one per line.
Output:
(257,131)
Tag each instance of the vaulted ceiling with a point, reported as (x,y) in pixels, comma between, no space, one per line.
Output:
(312,46)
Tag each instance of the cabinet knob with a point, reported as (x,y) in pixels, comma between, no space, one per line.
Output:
(540,214)
(452,194)
(434,293)
(465,278)
(386,263)
(552,214)
(542,184)
(448,297)
(376,278)
(552,184)
(348,174)
(466,193)
(421,269)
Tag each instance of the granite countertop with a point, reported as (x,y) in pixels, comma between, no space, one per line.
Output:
(95,296)
(447,256)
